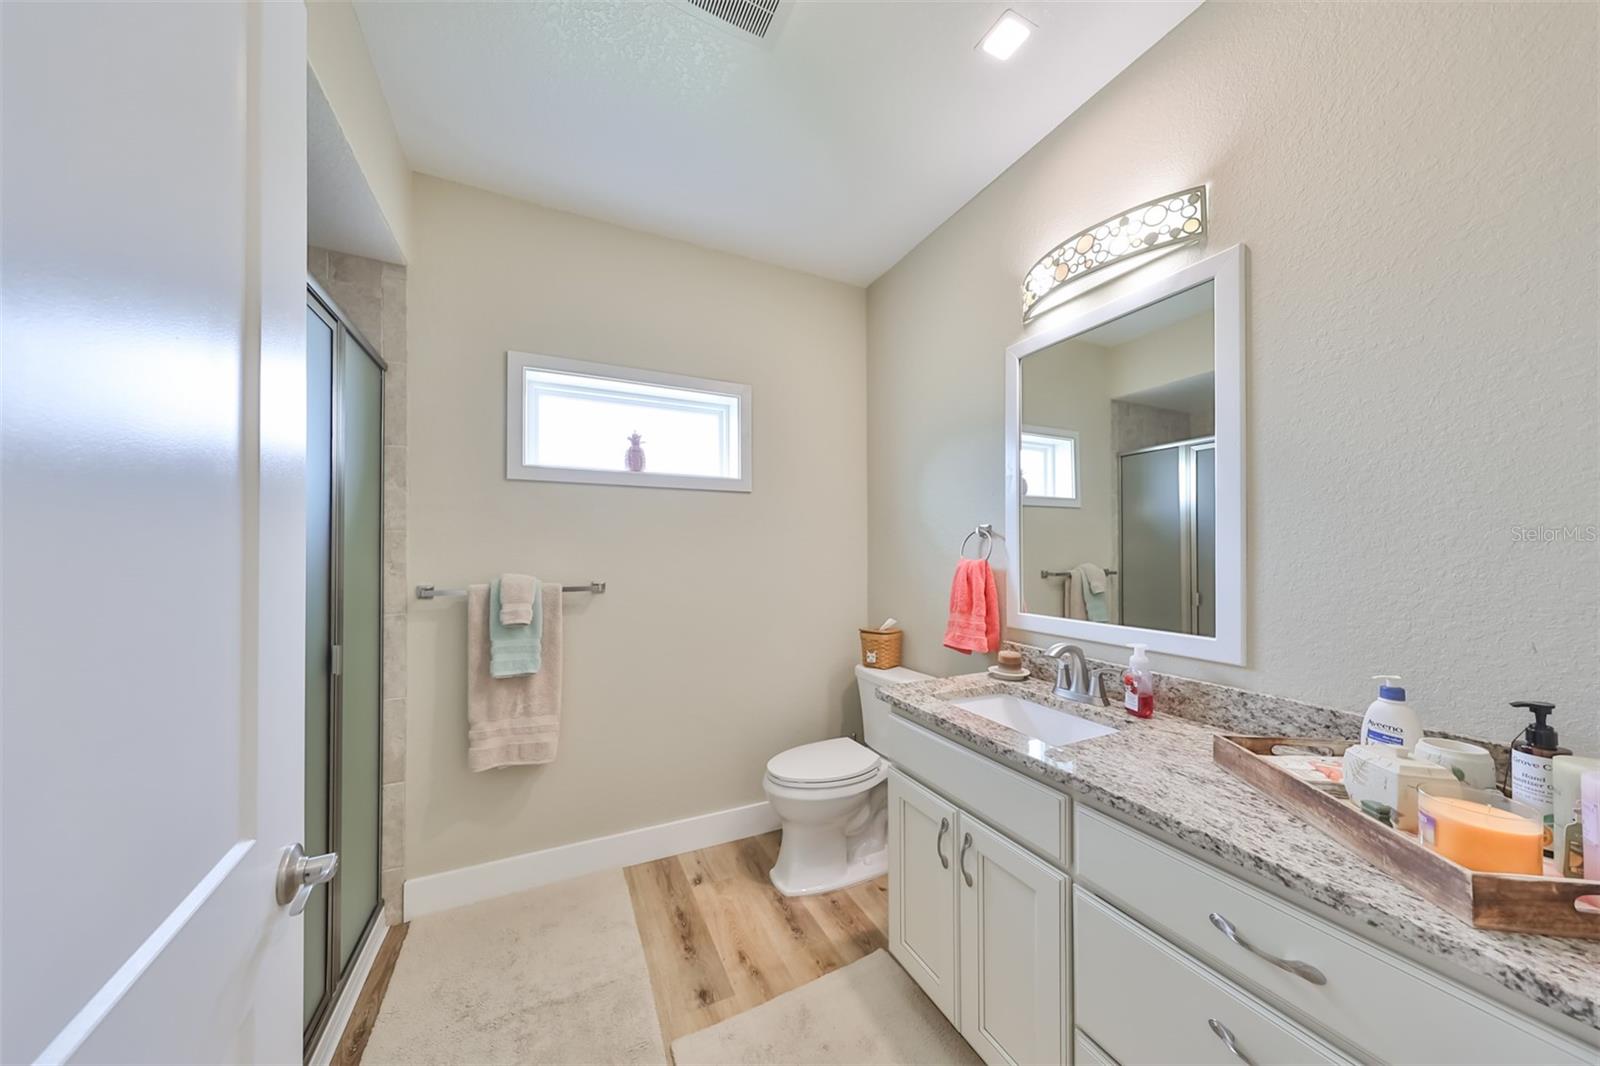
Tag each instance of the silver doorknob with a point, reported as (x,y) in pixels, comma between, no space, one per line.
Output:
(299,873)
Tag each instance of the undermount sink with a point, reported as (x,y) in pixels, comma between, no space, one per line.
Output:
(1054,727)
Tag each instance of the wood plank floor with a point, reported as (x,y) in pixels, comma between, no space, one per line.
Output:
(719,939)
(353,1042)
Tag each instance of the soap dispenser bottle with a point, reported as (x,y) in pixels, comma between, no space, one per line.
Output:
(1139,685)
(1389,720)
(1532,772)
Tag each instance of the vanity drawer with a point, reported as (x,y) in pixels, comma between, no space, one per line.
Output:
(1143,1001)
(1029,813)
(1372,999)
(1085,1052)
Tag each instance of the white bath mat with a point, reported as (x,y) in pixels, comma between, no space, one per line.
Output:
(868,1012)
(555,975)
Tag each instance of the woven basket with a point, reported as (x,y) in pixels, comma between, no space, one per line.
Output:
(880,648)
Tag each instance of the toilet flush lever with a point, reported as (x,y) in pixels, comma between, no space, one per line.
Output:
(938,845)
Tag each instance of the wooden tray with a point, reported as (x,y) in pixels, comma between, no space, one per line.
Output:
(1517,903)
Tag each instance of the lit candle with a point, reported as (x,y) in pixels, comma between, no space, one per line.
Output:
(1493,837)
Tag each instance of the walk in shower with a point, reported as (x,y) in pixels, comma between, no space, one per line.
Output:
(344,665)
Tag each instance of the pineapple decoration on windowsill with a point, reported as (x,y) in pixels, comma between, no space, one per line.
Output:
(634,457)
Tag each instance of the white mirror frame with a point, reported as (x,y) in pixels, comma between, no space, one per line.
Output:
(1226,270)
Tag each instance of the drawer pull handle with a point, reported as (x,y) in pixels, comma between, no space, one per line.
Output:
(1226,1036)
(938,845)
(966,842)
(1303,970)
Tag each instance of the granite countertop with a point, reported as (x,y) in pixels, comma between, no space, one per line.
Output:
(1159,772)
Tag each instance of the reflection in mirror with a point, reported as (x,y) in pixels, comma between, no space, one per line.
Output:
(1116,461)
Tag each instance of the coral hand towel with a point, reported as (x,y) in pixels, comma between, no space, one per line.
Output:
(974,609)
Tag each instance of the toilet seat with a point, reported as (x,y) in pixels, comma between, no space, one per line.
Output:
(825,764)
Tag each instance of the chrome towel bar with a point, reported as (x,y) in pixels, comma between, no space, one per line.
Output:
(428,592)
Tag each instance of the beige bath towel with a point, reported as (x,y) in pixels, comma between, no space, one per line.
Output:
(512,721)
(517,599)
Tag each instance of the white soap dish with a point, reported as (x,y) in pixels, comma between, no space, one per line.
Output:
(1003,674)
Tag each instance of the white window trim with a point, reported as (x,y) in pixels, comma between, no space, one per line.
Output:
(1077,470)
(517,470)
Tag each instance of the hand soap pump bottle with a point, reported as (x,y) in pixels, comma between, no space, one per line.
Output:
(1139,685)
(1532,772)
(1389,720)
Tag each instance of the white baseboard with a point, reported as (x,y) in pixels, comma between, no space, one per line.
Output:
(471,884)
(345,1006)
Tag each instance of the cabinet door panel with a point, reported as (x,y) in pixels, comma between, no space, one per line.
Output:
(1013,950)
(922,888)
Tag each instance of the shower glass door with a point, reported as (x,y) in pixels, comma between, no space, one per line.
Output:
(1167,520)
(344,668)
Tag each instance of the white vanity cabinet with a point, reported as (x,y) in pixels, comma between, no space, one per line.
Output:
(1143,1001)
(1146,953)
(1385,1007)
(980,925)
(922,889)
(1013,957)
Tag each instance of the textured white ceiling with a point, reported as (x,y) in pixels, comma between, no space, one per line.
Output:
(834,147)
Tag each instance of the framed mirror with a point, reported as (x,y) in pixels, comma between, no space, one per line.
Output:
(1124,468)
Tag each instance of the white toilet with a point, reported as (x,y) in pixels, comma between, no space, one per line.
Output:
(832,800)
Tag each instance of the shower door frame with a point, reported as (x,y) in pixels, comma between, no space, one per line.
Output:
(334,981)
(1188,526)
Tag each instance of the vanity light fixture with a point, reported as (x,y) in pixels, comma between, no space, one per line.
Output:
(1165,222)
(1006,35)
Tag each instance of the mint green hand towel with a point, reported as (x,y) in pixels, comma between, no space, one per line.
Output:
(515,650)
(1091,580)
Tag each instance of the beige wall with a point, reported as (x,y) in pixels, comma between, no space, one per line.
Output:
(1065,387)
(1418,187)
(337,53)
(728,631)
(1172,353)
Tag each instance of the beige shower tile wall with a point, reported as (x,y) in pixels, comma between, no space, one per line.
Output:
(1419,188)
(373,295)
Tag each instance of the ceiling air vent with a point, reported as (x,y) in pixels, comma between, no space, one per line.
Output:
(752,16)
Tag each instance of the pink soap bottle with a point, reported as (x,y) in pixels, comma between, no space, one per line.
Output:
(1139,685)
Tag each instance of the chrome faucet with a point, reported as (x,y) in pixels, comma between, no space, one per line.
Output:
(1074,680)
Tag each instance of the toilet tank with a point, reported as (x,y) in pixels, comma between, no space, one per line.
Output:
(874,712)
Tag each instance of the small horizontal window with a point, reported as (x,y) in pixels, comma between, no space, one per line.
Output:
(569,420)
(1049,467)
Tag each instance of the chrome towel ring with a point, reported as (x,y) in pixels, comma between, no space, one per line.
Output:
(985,535)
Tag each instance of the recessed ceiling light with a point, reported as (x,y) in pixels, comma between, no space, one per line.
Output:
(1006,35)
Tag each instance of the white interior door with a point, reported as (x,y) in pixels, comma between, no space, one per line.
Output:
(152,260)
(1013,950)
